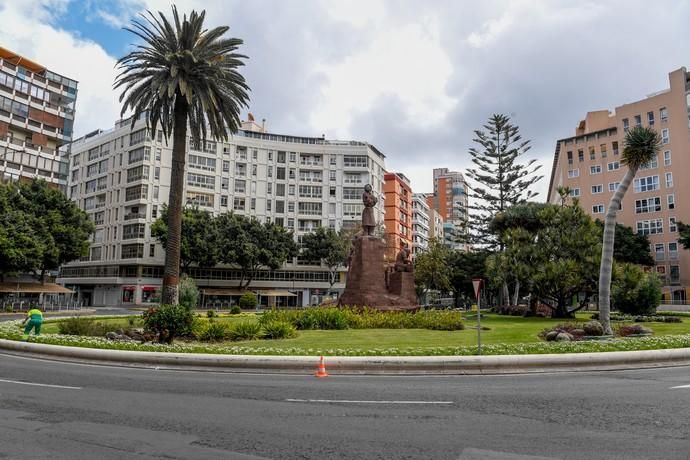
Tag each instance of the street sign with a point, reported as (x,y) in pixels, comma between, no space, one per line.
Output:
(477,284)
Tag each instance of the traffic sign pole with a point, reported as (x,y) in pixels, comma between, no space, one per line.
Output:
(477,284)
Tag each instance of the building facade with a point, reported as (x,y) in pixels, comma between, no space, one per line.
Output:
(121,178)
(589,164)
(450,201)
(420,223)
(36,119)
(435,224)
(398,212)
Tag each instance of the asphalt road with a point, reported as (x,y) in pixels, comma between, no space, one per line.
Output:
(70,411)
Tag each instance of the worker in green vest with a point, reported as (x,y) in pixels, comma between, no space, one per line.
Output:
(34,319)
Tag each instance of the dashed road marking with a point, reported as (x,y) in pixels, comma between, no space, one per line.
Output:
(354,401)
(19,382)
(679,386)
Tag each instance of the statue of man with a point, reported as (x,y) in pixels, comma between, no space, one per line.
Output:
(368,219)
(402,261)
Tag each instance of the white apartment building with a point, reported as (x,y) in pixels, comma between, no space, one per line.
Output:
(121,178)
(420,223)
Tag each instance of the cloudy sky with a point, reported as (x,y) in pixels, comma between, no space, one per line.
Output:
(414,78)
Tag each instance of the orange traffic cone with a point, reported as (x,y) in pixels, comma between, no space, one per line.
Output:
(322,369)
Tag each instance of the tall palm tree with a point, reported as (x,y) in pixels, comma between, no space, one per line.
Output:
(182,76)
(641,145)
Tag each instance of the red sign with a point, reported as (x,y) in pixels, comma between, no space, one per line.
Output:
(477,284)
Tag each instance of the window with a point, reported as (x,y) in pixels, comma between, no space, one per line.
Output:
(252,204)
(571,173)
(132,251)
(598,209)
(310,191)
(580,155)
(331,175)
(650,118)
(592,154)
(254,170)
(355,161)
(673,251)
(155,192)
(663,114)
(200,199)
(665,136)
(570,158)
(269,205)
(667,158)
(137,136)
(638,120)
(626,124)
(280,189)
(308,159)
(614,146)
(224,201)
(575,192)
(140,154)
(291,206)
(154,212)
(333,160)
(672,226)
(255,154)
(291,174)
(270,155)
(157,173)
(332,192)
(597,188)
(158,154)
(675,274)
(269,188)
(331,208)
(152,250)
(669,180)
(613,186)
(291,189)
(224,183)
(240,186)
(238,204)
(310,209)
(280,206)
(671,201)
(594,169)
(138,173)
(352,193)
(352,210)
(659,251)
(226,166)
(242,153)
(280,173)
(270,171)
(138,192)
(653,163)
(614,165)
(132,231)
(201,180)
(240,169)
(202,163)
(650,227)
(96,253)
(648,205)
(646,184)
(310,176)
(159,136)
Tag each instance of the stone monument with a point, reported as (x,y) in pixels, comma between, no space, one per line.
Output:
(370,281)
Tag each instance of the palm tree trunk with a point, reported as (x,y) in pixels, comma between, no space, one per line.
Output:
(607,251)
(171,276)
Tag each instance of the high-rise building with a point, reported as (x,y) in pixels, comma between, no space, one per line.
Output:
(121,178)
(450,200)
(398,212)
(36,119)
(589,163)
(435,223)
(420,223)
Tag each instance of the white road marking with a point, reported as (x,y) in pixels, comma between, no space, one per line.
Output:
(352,401)
(679,386)
(18,382)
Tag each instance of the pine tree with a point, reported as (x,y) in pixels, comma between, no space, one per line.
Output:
(500,179)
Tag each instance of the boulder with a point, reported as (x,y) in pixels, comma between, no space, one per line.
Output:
(111,335)
(564,337)
(551,336)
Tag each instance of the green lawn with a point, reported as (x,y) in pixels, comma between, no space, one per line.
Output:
(503,330)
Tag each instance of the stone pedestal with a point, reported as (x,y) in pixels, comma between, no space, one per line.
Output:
(366,279)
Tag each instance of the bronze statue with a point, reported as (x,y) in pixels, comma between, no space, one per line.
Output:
(402,261)
(368,219)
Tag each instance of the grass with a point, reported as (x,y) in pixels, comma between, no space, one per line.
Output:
(507,335)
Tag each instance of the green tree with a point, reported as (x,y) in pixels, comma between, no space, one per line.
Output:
(633,291)
(199,238)
(640,146)
(684,235)
(431,269)
(182,76)
(63,228)
(501,180)
(629,246)
(329,247)
(463,267)
(251,245)
(20,247)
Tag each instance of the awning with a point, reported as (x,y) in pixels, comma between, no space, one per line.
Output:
(221,291)
(276,293)
(34,288)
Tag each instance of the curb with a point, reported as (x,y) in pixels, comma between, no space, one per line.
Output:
(393,365)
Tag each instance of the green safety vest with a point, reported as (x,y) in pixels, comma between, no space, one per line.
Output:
(35,313)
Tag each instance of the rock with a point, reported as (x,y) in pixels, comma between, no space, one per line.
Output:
(111,335)
(551,336)
(124,338)
(564,337)
(578,332)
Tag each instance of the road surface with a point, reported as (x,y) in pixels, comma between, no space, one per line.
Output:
(57,410)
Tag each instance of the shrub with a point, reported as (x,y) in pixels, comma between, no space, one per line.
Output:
(593,328)
(633,291)
(235,310)
(214,332)
(439,320)
(245,330)
(211,314)
(82,326)
(279,330)
(248,300)
(168,321)
(626,330)
(189,294)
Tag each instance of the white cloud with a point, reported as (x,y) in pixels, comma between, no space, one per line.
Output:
(27,31)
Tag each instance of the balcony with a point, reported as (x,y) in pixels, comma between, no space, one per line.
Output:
(135,215)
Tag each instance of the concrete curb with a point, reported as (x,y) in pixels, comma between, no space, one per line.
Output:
(408,365)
